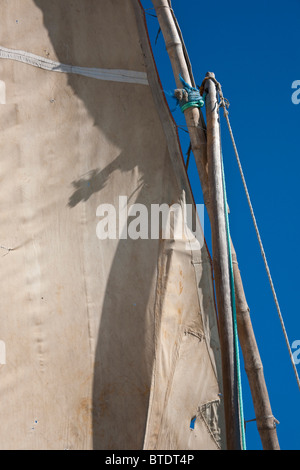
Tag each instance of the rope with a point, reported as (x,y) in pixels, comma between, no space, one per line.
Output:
(188,157)
(188,97)
(235,330)
(224,104)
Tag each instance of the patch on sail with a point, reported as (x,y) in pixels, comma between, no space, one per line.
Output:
(209,412)
(115,75)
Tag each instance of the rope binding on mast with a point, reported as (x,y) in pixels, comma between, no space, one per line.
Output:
(188,96)
(223,102)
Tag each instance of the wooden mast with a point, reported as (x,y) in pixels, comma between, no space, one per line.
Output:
(194,119)
(213,178)
(265,421)
(221,267)
(195,122)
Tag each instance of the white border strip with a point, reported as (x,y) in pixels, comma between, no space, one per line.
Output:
(114,75)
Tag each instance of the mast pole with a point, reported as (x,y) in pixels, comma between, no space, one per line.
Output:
(213,181)
(221,267)
(194,118)
(265,420)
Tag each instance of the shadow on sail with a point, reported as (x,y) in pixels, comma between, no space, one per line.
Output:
(125,114)
(119,334)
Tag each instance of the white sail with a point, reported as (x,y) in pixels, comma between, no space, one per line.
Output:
(110,343)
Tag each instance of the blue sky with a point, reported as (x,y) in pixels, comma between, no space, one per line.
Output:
(253,49)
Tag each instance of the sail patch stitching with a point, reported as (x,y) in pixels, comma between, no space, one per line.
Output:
(208,414)
(115,75)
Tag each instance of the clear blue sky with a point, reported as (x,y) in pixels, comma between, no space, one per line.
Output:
(253,49)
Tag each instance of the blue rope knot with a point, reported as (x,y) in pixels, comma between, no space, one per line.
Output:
(189,96)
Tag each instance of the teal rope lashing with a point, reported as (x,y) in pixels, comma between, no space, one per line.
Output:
(194,99)
(235,331)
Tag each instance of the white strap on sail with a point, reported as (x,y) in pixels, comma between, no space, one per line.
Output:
(115,75)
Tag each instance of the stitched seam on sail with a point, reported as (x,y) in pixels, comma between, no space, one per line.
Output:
(116,75)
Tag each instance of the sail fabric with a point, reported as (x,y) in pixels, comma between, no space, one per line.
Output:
(110,343)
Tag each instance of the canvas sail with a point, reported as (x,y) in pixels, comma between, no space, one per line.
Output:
(109,343)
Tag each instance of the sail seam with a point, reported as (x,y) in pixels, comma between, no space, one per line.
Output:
(115,75)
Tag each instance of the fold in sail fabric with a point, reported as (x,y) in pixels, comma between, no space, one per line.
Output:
(110,342)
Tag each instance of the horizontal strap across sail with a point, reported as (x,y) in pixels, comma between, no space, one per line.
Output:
(115,75)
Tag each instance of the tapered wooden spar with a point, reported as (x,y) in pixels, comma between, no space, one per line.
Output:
(253,365)
(221,267)
(266,423)
(193,116)
(195,125)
